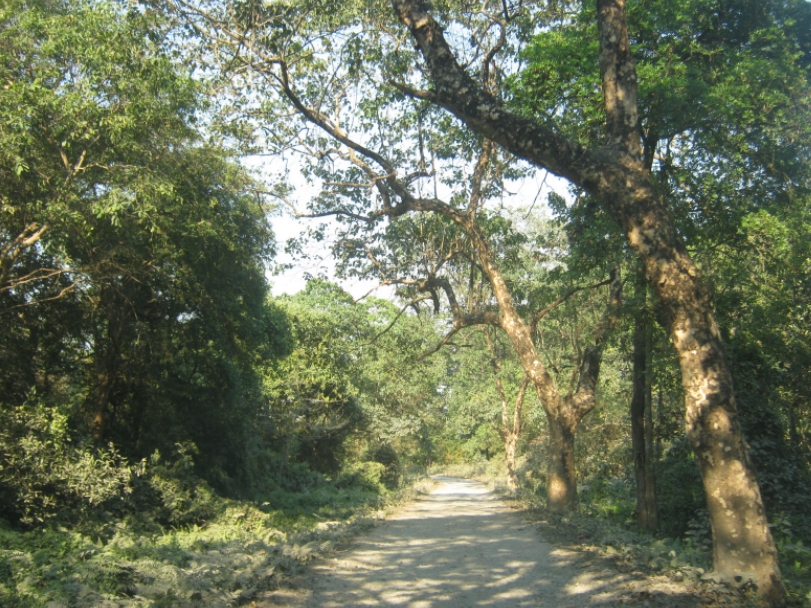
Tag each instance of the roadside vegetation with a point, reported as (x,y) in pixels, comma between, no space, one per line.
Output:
(172,434)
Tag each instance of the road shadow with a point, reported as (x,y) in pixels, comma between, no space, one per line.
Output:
(461,547)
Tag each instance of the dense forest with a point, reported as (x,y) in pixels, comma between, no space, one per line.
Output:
(632,354)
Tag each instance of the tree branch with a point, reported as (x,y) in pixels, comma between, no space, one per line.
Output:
(583,400)
(619,78)
(458,93)
(468,320)
(540,315)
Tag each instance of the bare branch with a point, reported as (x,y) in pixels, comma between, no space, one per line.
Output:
(540,315)
(413,93)
(396,318)
(444,342)
(9,254)
(66,290)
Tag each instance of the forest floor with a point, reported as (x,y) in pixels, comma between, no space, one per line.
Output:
(462,546)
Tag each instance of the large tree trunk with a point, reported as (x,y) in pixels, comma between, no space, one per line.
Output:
(617,178)
(561,481)
(641,419)
(742,542)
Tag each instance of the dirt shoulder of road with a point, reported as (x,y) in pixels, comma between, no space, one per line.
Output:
(650,583)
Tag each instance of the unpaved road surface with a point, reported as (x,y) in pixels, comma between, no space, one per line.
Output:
(461,547)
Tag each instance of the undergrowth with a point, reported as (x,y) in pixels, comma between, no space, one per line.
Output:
(184,546)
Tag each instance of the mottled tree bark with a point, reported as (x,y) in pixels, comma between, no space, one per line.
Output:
(616,176)
(561,481)
(561,495)
(510,444)
(510,429)
(563,413)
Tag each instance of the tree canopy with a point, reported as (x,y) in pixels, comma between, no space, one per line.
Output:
(657,312)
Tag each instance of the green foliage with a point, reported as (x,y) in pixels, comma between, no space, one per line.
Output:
(132,292)
(213,552)
(47,475)
(679,493)
(723,102)
(170,493)
(351,390)
(149,381)
(367,474)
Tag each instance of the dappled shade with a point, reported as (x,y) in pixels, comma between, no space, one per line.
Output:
(461,546)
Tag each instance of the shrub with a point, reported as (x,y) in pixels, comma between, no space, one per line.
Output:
(45,473)
(369,475)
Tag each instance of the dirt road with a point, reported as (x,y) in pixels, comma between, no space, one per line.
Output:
(461,547)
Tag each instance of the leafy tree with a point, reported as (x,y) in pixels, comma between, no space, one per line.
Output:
(133,285)
(351,391)
(364,45)
(314,405)
(374,169)
(721,100)
(615,174)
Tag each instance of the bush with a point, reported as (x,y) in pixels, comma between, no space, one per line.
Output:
(367,474)
(387,456)
(169,492)
(47,474)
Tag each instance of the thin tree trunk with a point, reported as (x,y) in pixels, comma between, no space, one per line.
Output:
(650,468)
(98,423)
(660,420)
(510,442)
(793,434)
(512,430)
(638,404)
(641,421)
(510,426)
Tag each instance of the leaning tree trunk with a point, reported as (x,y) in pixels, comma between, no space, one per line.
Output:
(562,492)
(616,177)
(563,413)
(742,543)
